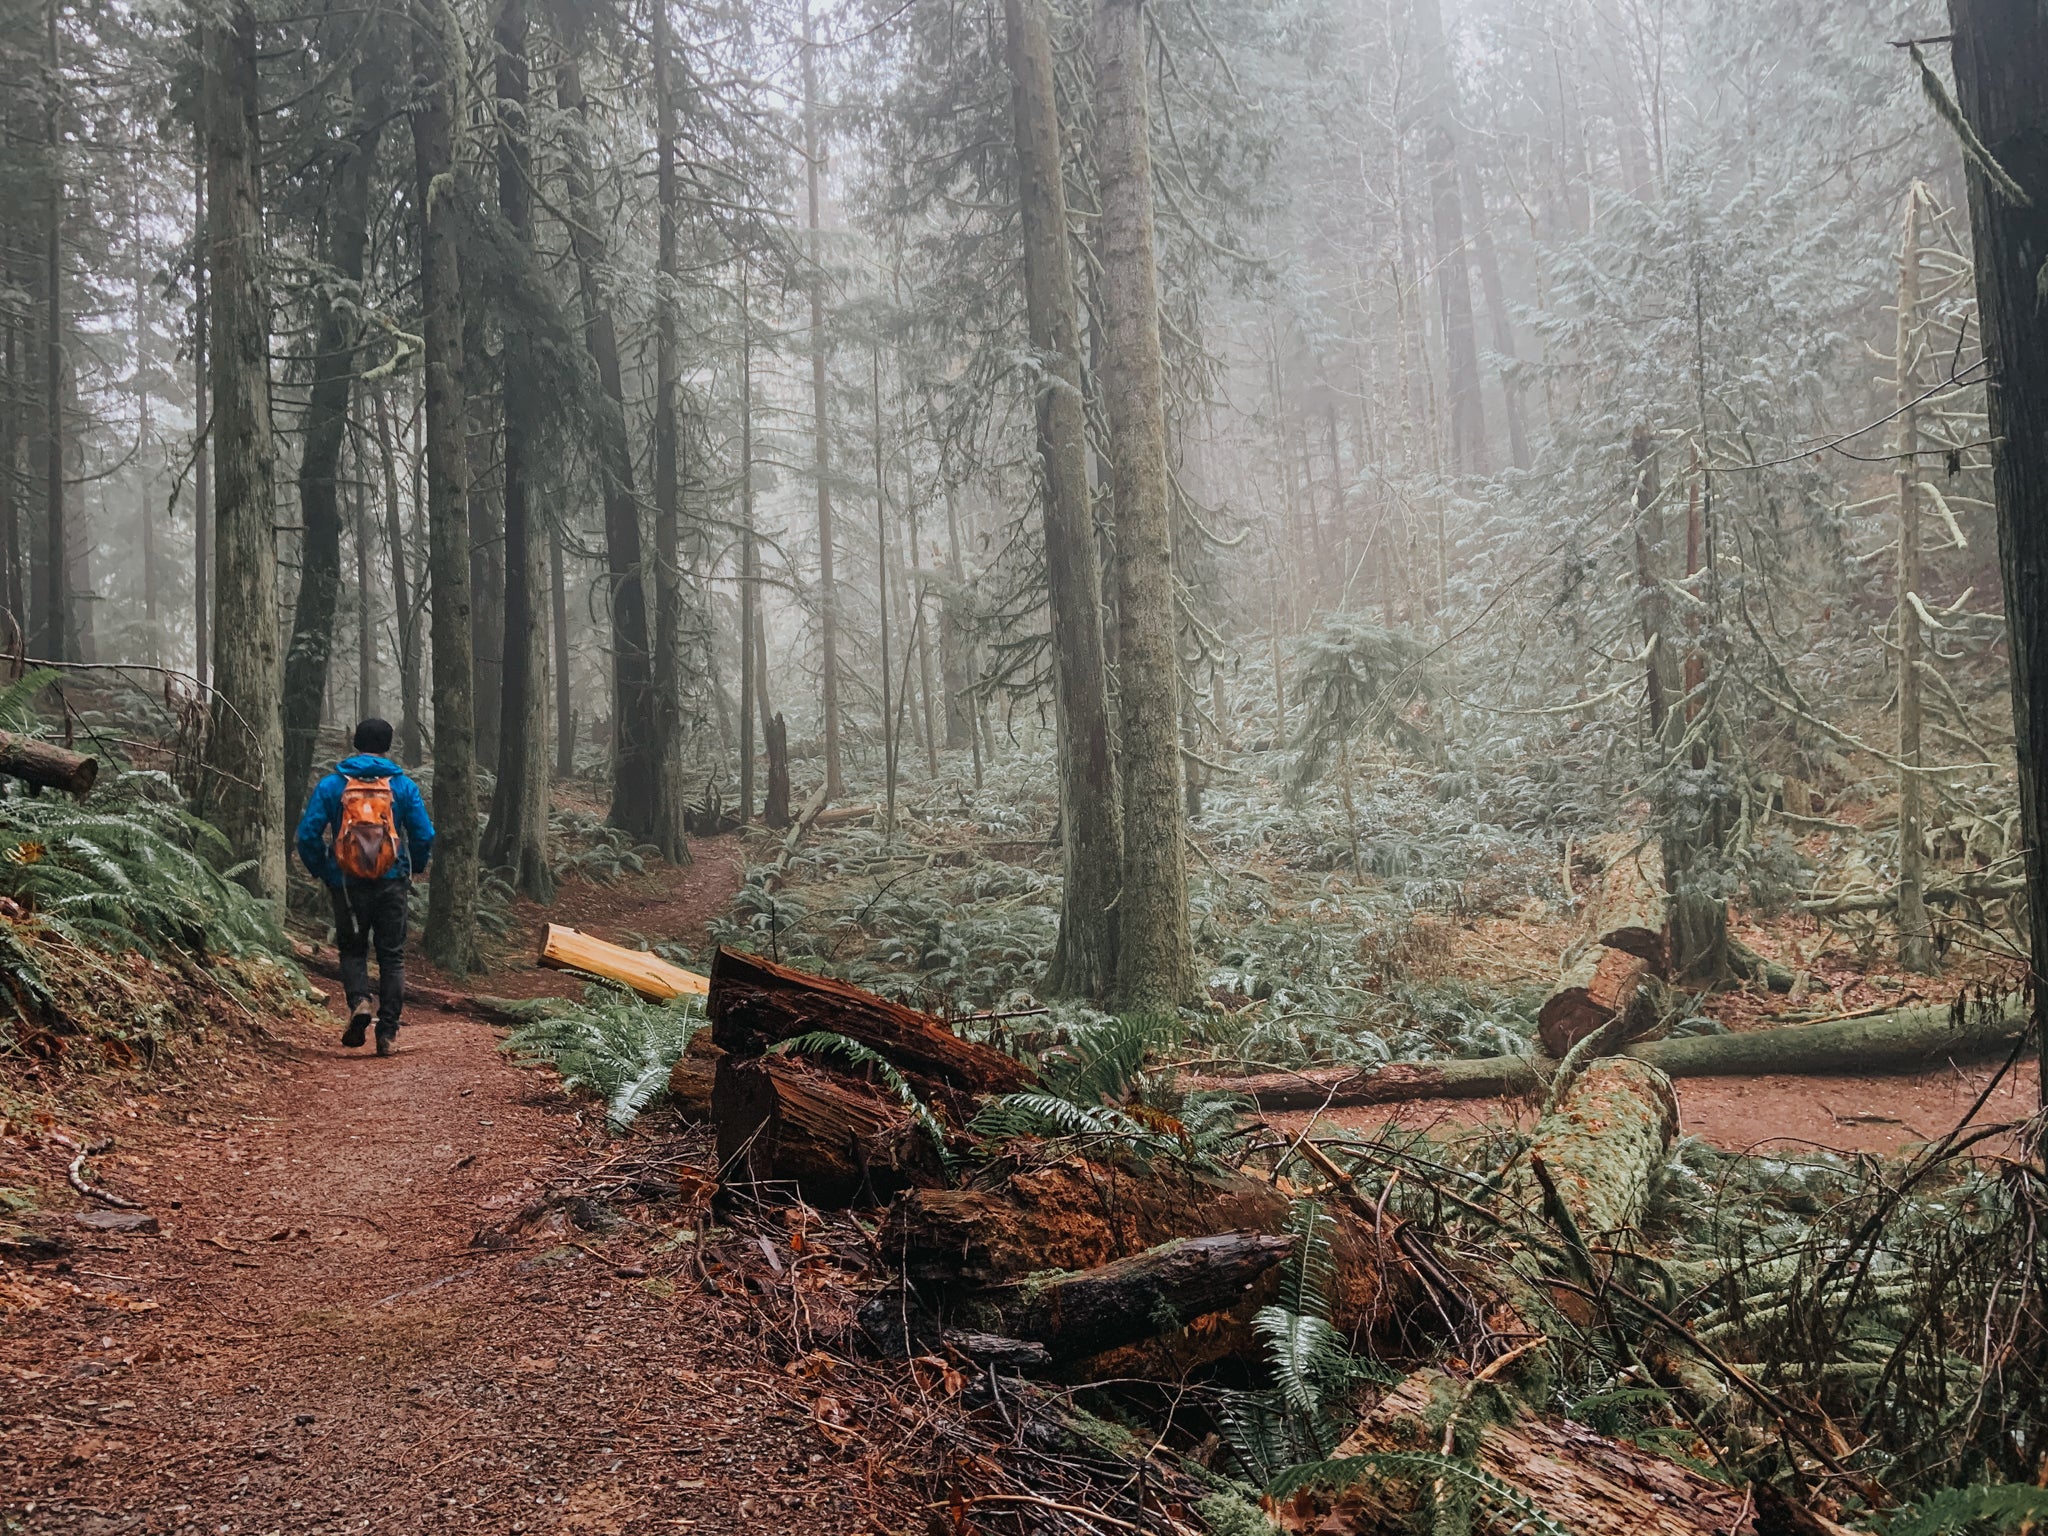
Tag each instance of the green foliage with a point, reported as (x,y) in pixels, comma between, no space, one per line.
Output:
(612,1045)
(1983,1509)
(1355,678)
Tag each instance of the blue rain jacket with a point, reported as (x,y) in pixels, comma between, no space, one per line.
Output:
(323,817)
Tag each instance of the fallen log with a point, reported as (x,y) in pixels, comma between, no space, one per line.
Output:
(839,815)
(1081,1213)
(1582,1481)
(565,949)
(1127,1301)
(754,1003)
(1601,1147)
(1628,910)
(837,1140)
(1602,985)
(46,765)
(1906,1040)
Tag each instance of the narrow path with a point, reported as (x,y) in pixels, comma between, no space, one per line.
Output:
(311,1345)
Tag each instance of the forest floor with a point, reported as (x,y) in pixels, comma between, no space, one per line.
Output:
(312,1344)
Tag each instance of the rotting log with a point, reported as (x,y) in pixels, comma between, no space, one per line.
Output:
(1601,985)
(1081,1213)
(1906,1040)
(834,1140)
(754,1003)
(1128,1300)
(1602,1146)
(1583,1481)
(566,949)
(47,765)
(692,1078)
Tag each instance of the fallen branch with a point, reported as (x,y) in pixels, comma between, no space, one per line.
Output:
(568,949)
(47,765)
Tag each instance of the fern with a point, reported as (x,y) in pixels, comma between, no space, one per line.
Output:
(825,1042)
(1426,1467)
(1101,1061)
(1982,1509)
(611,1045)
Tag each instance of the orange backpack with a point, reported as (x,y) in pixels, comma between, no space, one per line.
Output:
(366,842)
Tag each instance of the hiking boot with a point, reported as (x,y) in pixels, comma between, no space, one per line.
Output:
(387,1039)
(358,1025)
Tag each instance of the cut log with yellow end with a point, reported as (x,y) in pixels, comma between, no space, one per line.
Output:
(565,949)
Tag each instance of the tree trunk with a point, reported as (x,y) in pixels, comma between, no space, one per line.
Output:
(517,835)
(633,745)
(1601,1147)
(450,937)
(405,609)
(1084,962)
(345,214)
(828,594)
(1447,230)
(775,747)
(1495,292)
(202,415)
(956,672)
(891,737)
(1078,1214)
(837,1140)
(245,734)
(565,687)
(754,1003)
(750,681)
(1661,669)
(486,541)
(1916,939)
(1586,1483)
(47,765)
(1908,1040)
(667,833)
(1155,961)
(54,623)
(694,1077)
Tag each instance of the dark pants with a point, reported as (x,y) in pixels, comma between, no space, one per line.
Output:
(365,910)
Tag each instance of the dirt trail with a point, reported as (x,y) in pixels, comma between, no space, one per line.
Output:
(311,1345)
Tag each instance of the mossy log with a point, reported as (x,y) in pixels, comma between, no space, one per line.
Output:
(833,1140)
(1628,909)
(1602,985)
(46,765)
(1129,1300)
(754,1003)
(1080,1213)
(1583,1481)
(1907,1040)
(1602,1146)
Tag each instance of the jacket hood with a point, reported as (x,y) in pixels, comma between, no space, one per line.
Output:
(366,765)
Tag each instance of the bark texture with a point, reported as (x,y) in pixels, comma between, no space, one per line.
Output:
(450,937)
(245,729)
(47,765)
(1155,960)
(836,1139)
(1084,957)
(667,743)
(1602,1146)
(821,446)
(2000,53)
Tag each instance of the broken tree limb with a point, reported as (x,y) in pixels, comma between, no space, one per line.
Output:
(1128,1300)
(1905,1040)
(755,1003)
(1602,985)
(836,1139)
(565,949)
(1582,1481)
(1602,1146)
(1081,1213)
(47,765)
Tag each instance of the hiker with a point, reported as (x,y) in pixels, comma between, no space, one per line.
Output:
(381,839)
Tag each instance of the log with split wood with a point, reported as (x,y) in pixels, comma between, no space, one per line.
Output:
(1906,1040)
(45,765)
(566,949)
